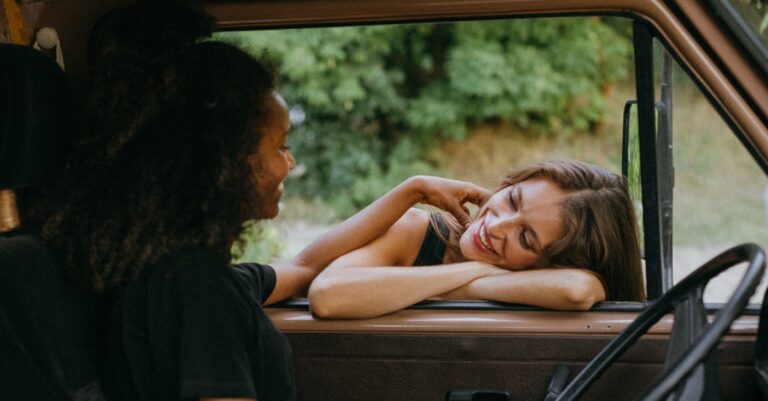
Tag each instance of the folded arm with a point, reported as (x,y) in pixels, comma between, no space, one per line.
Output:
(563,288)
(295,275)
(372,281)
(362,292)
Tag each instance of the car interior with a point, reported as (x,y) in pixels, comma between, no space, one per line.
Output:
(35,299)
(676,346)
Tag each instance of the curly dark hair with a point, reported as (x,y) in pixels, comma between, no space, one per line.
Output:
(162,162)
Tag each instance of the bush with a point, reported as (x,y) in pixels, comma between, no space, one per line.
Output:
(368,93)
(259,242)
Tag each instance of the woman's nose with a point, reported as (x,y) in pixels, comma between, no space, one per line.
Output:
(501,223)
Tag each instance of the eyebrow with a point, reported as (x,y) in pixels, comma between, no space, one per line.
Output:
(533,237)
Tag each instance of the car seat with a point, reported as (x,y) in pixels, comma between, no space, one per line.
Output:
(48,331)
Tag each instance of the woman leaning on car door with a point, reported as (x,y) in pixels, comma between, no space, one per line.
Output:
(184,141)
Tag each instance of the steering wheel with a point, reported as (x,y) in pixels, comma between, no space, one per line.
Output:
(691,288)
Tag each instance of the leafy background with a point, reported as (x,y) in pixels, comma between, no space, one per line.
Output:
(372,105)
(375,100)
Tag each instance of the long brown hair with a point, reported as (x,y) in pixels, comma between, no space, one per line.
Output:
(599,225)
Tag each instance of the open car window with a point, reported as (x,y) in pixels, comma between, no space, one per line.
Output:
(372,105)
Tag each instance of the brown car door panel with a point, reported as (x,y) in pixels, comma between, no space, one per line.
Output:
(420,354)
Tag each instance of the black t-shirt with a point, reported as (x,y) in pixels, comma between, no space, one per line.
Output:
(192,327)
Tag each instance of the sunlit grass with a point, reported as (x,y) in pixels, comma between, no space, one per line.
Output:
(719,188)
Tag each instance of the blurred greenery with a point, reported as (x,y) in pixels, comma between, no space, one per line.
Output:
(369,103)
(373,105)
(260,241)
(633,168)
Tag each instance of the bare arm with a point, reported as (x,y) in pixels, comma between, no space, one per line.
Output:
(372,281)
(564,289)
(295,275)
(362,292)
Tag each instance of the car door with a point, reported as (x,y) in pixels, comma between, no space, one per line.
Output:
(435,347)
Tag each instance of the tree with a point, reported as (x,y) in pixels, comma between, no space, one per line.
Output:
(375,99)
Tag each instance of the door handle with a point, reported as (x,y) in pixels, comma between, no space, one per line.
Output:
(477,395)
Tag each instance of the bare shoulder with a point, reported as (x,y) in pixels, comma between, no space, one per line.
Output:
(406,235)
(413,222)
(398,246)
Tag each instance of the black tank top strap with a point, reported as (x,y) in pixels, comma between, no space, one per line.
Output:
(433,247)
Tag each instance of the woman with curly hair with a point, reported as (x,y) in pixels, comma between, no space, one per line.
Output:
(185,141)
(563,235)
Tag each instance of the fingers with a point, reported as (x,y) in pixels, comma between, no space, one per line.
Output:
(460,213)
(465,208)
(478,195)
(452,196)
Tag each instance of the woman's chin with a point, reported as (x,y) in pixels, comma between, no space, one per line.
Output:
(269,211)
(469,252)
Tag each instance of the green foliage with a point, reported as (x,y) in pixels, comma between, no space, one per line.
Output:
(259,242)
(403,164)
(376,99)
(633,169)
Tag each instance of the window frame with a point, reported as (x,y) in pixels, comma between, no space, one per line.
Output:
(656,252)
(732,19)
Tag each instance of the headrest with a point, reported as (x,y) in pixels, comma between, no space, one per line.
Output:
(35,115)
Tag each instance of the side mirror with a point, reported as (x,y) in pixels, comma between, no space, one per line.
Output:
(630,159)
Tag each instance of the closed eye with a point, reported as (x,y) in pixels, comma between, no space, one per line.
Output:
(524,240)
(514,198)
(528,238)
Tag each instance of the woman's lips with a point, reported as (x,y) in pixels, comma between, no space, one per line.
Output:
(480,238)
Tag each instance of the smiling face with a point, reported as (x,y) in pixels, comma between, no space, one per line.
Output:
(516,225)
(273,159)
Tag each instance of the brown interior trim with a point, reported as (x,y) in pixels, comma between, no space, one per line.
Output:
(732,56)
(415,366)
(306,13)
(487,322)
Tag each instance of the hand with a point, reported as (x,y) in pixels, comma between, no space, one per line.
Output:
(450,195)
